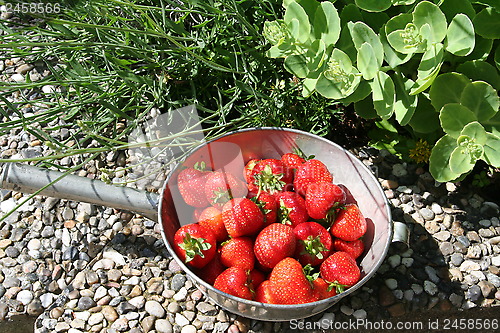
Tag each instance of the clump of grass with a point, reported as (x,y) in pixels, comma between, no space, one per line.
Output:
(116,60)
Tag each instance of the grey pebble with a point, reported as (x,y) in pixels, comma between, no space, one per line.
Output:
(85,303)
(474,293)
(177,282)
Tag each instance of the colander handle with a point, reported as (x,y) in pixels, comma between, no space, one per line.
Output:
(401,235)
(28,179)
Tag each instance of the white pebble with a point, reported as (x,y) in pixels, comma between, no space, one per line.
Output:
(407,262)
(417,288)
(181,320)
(181,294)
(17,77)
(346,310)
(394,260)
(7,205)
(25,297)
(359,314)
(115,256)
(485,223)
(391,283)
(34,244)
(46,299)
(430,287)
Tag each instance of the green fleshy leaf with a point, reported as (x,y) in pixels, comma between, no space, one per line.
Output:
(365,108)
(297,65)
(431,60)
(487,23)
(308,86)
(461,161)
(425,120)
(454,117)
(475,131)
(439,161)
(367,61)
(281,51)
(391,56)
(361,92)
(384,95)
(340,78)
(328,21)
(460,38)
(480,70)
(447,88)
(482,99)
(295,13)
(362,33)
(403,2)
(405,104)
(481,51)
(450,8)
(429,67)
(374,5)
(492,150)
(428,13)
(497,57)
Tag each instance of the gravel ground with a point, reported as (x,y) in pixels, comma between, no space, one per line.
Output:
(78,267)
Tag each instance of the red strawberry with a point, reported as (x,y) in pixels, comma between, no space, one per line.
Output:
(292,161)
(349,224)
(238,252)
(257,277)
(269,206)
(341,269)
(263,293)
(234,281)
(289,284)
(222,187)
(312,171)
(196,214)
(271,175)
(354,248)
(191,184)
(242,217)
(291,208)
(211,270)
(313,243)
(195,244)
(324,289)
(248,174)
(211,218)
(322,198)
(274,242)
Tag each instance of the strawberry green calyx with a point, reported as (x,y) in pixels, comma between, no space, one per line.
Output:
(221,196)
(261,204)
(338,287)
(200,166)
(284,213)
(297,151)
(194,246)
(314,247)
(268,181)
(309,273)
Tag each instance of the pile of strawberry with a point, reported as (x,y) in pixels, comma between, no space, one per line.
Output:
(284,235)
